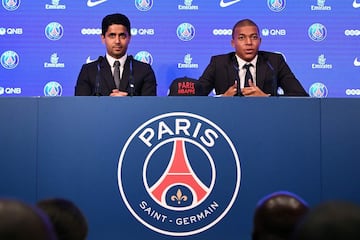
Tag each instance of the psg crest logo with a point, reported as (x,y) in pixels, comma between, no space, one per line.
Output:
(179,174)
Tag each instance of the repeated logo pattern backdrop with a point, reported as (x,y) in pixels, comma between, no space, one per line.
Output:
(44,43)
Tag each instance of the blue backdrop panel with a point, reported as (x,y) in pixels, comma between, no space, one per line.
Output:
(43,44)
(18,148)
(340,147)
(276,149)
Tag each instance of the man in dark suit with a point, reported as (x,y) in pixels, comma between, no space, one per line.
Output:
(116,74)
(228,74)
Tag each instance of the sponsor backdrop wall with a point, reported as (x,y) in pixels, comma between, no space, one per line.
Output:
(44,43)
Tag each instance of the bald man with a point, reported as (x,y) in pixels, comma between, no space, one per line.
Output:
(20,221)
(276,216)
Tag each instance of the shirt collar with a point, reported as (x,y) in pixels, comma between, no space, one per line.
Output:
(111,60)
(241,62)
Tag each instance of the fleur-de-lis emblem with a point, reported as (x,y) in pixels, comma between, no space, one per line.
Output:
(179,197)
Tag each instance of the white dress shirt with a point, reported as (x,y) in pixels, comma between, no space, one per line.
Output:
(242,71)
(111,61)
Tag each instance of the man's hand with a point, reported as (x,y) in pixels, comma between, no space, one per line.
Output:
(253,91)
(232,90)
(118,93)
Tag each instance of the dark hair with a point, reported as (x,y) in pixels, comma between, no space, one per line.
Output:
(68,221)
(116,18)
(332,220)
(242,23)
(277,215)
(19,220)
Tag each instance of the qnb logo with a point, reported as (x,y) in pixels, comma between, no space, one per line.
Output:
(188,62)
(276,5)
(52,89)
(144,5)
(352,32)
(181,174)
(144,56)
(352,92)
(91,31)
(11,31)
(185,32)
(11,5)
(222,32)
(10,90)
(318,90)
(9,59)
(317,32)
(54,31)
(273,32)
(142,31)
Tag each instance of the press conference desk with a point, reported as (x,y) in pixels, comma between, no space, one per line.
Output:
(70,147)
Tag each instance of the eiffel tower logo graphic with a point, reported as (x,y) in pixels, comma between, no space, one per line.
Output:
(179,173)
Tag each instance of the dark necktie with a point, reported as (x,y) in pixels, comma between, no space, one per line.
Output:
(117,74)
(248,75)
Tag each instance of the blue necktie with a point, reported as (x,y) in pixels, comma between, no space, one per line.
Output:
(248,75)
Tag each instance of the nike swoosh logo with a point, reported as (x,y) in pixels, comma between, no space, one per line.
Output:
(356,62)
(356,4)
(88,60)
(91,3)
(227,4)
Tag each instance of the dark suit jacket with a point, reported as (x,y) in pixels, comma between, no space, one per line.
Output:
(143,75)
(221,73)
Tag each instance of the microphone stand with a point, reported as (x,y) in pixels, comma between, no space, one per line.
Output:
(236,67)
(131,78)
(97,80)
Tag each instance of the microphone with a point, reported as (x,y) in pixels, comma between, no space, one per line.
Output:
(131,77)
(273,77)
(97,80)
(236,67)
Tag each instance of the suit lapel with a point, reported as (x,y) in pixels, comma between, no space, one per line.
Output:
(106,75)
(260,72)
(232,72)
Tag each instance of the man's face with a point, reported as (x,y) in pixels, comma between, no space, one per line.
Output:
(116,40)
(246,42)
